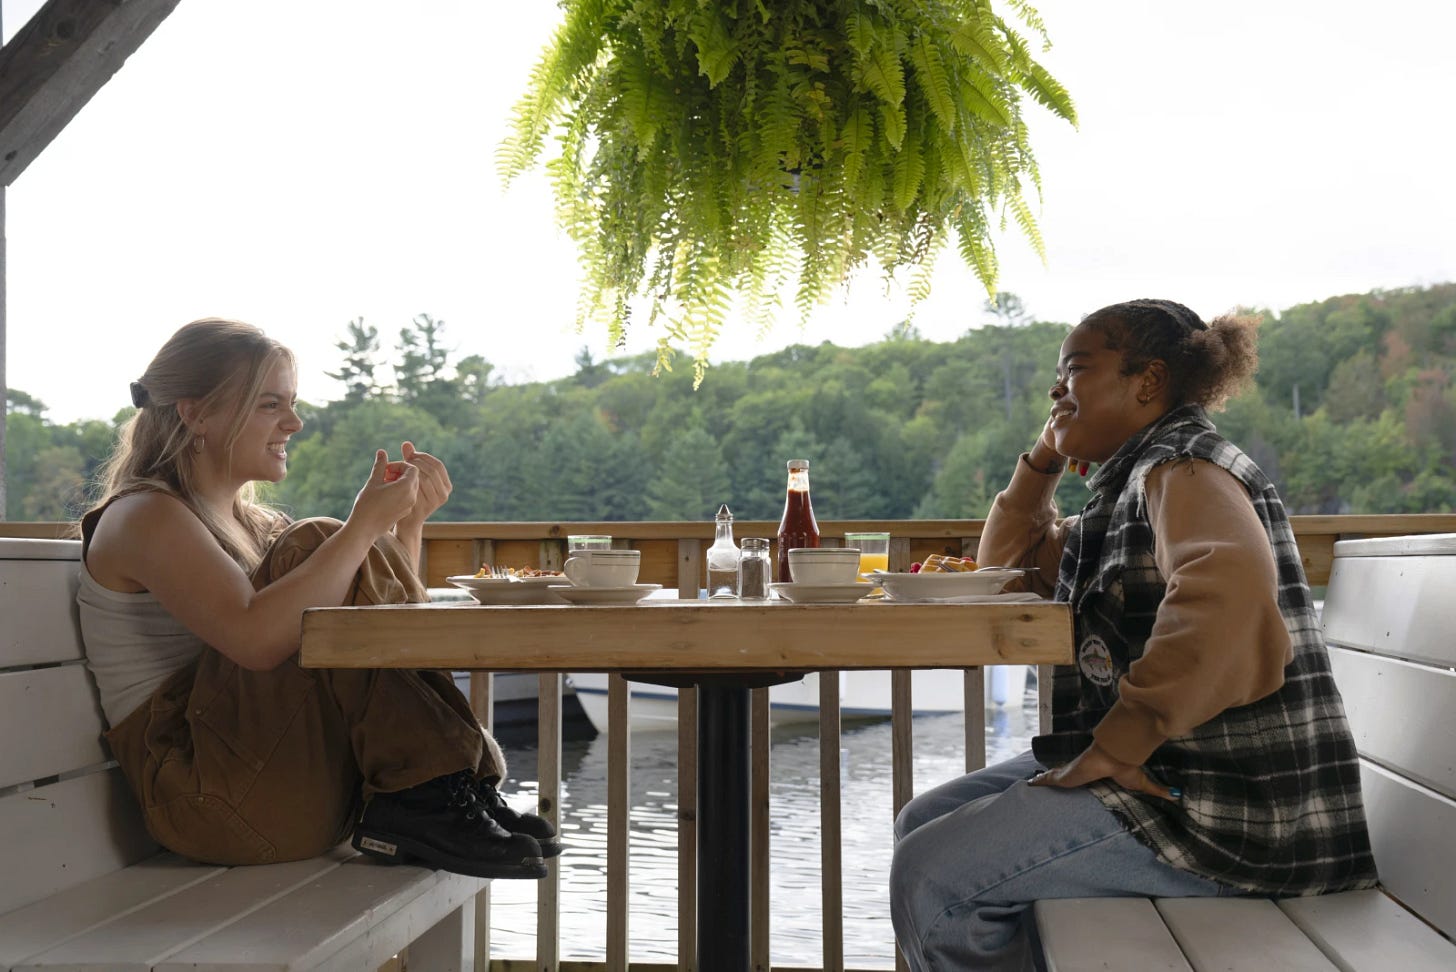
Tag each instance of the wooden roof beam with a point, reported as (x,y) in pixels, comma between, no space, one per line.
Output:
(57,61)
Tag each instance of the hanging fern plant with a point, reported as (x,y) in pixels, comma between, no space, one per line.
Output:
(719,148)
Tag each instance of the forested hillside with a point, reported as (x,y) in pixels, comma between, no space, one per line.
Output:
(1354,411)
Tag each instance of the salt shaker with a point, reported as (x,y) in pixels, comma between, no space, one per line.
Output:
(754,569)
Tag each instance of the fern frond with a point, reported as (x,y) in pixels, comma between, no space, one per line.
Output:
(909,167)
(920,278)
(892,118)
(859,32)
(1032,19)
(976,41)
(1049,92)
(716,51)
(979,95)
(934,81)
(574,49)
(1021,212)
(884,74)
(976,248)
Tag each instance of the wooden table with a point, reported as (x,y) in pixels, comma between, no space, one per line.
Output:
(722,647)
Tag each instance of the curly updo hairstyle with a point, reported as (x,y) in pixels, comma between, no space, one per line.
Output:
(1207,363)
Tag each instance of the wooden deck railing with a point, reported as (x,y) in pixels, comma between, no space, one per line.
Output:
(672,555)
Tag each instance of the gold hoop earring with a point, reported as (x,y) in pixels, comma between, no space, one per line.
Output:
(199,443)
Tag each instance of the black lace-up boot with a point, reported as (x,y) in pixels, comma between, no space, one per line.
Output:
(537,828)
(444,824)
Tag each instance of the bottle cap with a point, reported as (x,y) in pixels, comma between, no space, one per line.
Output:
(798,463)
(724,513)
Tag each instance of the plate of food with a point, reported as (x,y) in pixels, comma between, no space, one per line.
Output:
(945,577)
(517,586)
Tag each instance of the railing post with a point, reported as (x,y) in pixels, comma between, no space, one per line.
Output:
(975,715)
(548,889)
(902,754)
(687,829)
(619,822)
(831,841)
(482,685)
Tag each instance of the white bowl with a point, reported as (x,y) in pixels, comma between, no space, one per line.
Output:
(823,566)
(923,586)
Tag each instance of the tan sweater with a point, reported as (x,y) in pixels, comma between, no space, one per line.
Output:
(1218,641)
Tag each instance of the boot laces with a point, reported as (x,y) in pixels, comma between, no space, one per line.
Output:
(464,798)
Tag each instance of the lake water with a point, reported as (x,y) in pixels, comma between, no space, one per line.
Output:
(794,821)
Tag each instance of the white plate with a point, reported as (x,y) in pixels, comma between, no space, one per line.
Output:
(938,584)
(604,595)
(822,593)
(507,590)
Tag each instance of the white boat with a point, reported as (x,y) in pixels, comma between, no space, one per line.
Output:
(862,695)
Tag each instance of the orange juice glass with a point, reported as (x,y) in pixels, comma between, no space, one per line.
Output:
(874,551)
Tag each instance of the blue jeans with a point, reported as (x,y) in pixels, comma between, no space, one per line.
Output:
(972,855)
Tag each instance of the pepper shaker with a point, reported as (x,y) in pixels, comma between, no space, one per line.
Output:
(754,569)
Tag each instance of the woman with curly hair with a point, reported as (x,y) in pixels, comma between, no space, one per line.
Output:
(191,600)
(1198,745)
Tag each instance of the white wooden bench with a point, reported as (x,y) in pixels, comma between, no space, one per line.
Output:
(82,885)
(1390,621)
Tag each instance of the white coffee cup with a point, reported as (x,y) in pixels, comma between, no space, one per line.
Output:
(824,565)
(603,568)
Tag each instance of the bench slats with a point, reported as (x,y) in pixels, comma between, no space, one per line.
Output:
(1403,715)
(54,710)
(1097,934)
(1399,606)
(350,918)
(46,924)
(1365,931)
(1240,935)
(1411,831)
(145,936)
(38,602)
(64,834)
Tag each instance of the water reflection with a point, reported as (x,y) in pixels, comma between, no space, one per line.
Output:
(795,934)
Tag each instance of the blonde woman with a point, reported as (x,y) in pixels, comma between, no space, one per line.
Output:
(191,599)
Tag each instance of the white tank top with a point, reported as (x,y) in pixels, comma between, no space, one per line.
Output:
(132,645)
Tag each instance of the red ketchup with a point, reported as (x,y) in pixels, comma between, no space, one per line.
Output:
(798,528)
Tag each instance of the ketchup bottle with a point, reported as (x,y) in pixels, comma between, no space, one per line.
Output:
(798,528)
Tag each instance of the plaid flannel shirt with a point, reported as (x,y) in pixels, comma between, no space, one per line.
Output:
(1271,790)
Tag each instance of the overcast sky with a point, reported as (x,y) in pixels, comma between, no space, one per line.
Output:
(300,163)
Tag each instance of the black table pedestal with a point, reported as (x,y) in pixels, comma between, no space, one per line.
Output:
(723,805)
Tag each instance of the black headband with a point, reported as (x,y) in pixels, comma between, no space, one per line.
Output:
(139,396)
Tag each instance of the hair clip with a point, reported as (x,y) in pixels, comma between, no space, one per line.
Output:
(139,396)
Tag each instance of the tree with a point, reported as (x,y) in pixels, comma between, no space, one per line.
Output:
(691,481)
(360,344)
(23,404)
(473,376)
(1009,309)
(58,485)
(423,358)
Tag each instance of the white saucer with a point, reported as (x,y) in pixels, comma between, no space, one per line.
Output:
(822,593)
(513,590)
(604,595)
